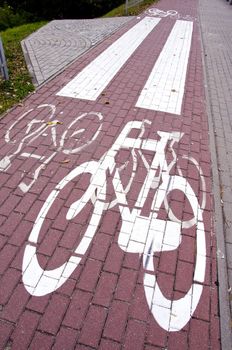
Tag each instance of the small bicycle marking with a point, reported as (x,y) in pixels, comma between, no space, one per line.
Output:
(155,12)
(41,127)
(138,234)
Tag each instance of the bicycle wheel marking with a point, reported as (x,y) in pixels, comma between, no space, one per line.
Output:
(37,281)
(173,315)
(94,78)
(164,88)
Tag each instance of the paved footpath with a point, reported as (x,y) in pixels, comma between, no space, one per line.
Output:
(106,205)
(216,25)
(51,48)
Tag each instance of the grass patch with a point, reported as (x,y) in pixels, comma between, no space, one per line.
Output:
(19,85)
(133,11)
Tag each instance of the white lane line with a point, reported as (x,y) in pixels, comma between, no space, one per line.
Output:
(164,88)
(93,79)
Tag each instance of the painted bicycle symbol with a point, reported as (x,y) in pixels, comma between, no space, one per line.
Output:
(155,12)
(160,13)
(71,141)
(138,233)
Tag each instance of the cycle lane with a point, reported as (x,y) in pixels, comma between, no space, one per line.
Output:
(108,284)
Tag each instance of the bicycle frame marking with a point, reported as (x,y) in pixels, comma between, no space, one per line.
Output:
(157,235)
(43,127)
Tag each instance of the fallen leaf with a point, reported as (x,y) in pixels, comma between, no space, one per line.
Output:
(54,123)
(65,161)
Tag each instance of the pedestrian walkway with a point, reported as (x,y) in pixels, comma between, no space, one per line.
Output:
(216,29)
(107,236)
(51,48)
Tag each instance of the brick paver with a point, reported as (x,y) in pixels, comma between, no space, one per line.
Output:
(107,236)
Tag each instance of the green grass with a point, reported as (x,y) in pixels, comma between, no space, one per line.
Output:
(133,11)
(19,85)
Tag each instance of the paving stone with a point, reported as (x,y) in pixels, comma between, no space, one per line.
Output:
(179,341)
(199,342)
(53,316)
(16,304)
(116,321)
(25,330)
(6,256)
(5,331)
(105,289)
(135,335)
(156,336)
(92,330)
(80,301)
(8,281)
(126,284)
(66,339)
(41,341)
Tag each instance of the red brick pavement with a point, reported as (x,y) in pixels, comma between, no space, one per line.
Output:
(102,305)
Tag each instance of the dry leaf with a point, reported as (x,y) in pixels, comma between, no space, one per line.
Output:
(54,123)
(65,161)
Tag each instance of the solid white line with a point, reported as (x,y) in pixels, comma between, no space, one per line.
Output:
(164,88)
(94,78)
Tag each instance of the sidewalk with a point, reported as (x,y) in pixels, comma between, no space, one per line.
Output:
(51,48)
(106,202)
(216,36)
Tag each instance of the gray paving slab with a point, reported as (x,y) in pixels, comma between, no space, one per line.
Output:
(216,27)
(50,49)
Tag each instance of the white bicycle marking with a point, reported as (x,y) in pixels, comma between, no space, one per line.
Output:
(155,12)
(94,78)
(5,163)
(138,234)
(164,89)
(160,13)
(33,132)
